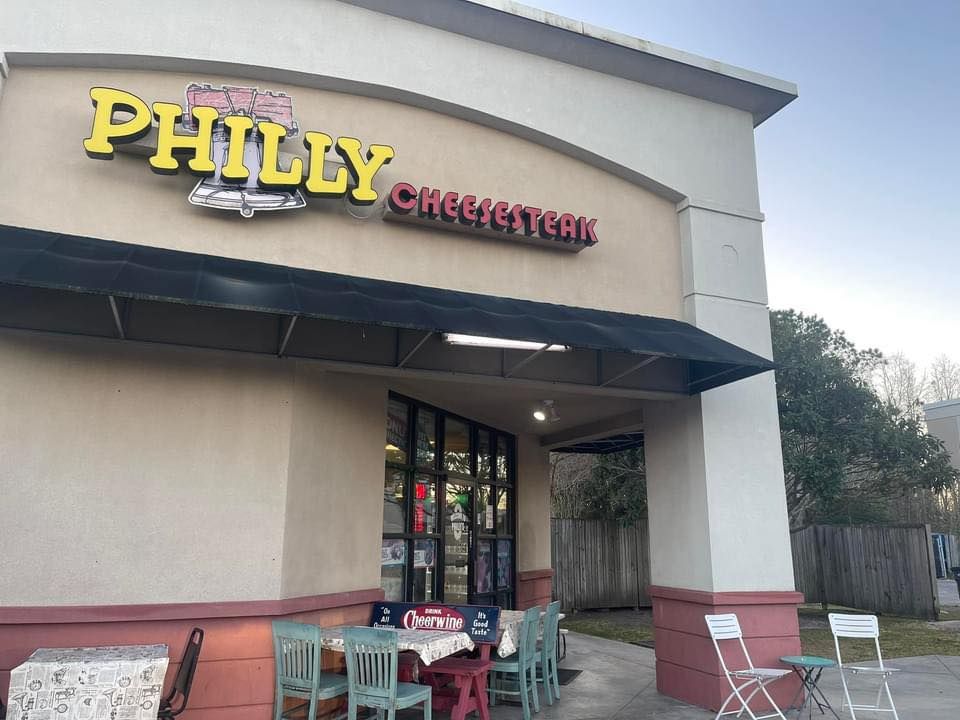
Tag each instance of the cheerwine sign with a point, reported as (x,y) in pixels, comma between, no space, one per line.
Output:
(230,136)
(433,618)
(478,621)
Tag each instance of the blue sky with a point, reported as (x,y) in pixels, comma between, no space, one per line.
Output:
(859,176)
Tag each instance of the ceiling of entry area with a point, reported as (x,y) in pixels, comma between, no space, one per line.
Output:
(511,408)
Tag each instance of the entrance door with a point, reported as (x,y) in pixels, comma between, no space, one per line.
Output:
(457,543)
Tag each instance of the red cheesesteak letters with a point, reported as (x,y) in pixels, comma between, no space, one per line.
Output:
(468,210)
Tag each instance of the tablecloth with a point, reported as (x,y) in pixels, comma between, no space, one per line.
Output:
(508,632)
(102,683)
(430,645)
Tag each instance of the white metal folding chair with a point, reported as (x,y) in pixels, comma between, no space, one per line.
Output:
(727,627)
(864,627)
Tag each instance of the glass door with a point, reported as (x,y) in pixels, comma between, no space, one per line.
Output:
(457,543)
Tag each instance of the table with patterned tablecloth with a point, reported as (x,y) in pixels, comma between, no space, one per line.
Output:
(430,645)
(99,683)
(508,632)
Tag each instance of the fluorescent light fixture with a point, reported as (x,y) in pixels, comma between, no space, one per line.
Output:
(492,342)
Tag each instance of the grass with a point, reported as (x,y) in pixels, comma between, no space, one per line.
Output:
(603,626)
(899,637)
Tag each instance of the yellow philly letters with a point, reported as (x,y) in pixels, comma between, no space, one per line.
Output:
(198,149)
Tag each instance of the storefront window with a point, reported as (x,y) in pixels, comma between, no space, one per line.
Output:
(393,565)
(424,570)
(397,431)
(504,564)
(424,505)
(483,571)
(485,509)
(504,525)
(503,460)
(447,526)
(394,508)
(483,456)
(456,447)
(426,438)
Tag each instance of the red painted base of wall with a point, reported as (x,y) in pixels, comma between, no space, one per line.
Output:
(687,664)
(534,587)
(234,678)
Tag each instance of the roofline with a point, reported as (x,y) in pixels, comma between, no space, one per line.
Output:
(941,404)
(525,28)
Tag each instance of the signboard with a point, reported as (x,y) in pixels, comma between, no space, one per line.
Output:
(491,217)
(478,621)
(231,137)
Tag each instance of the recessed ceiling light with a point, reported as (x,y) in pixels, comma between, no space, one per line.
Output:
(539,415)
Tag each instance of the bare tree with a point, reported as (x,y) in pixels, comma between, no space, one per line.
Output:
(898,383)
(944,379)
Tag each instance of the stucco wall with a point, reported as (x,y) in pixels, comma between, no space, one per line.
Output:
(533,505)
(636,267)
(139,474)
(335,489)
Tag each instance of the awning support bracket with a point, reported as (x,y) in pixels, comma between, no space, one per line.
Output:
(403,361)
(116,317)
(286,336)
(527,359)
(633,368)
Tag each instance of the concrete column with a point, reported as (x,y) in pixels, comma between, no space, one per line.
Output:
(719,533)
(534,565)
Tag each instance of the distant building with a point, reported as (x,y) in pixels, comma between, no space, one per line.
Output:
(943,421)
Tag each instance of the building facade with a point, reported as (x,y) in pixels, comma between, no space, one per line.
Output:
(254,388)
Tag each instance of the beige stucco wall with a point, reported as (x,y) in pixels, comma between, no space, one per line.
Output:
(139,474)
(46,113)
(335,487)
(533,505)
(123,465)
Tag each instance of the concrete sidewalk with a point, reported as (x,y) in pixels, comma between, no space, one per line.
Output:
(618,682)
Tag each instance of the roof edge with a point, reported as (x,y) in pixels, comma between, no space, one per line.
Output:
(528,29)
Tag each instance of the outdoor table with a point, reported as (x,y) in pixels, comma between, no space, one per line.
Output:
(429,645)
(432,646)
(98,683)
(809,668)
(508,632)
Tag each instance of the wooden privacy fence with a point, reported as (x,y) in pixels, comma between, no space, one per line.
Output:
(600,564)
(883,569)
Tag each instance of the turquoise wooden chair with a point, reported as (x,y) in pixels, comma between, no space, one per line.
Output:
(296,651)
(547,671)
(522,665)
(372,675)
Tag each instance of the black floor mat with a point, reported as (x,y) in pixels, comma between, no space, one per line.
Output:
(564,675)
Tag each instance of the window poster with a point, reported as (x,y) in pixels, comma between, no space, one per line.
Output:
(484,567)
(504,563)
(423,554)
(393,552)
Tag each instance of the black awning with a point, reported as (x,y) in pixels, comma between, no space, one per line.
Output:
(41,259)
(604,446)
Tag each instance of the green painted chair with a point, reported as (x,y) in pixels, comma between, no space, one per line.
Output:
(547,671)
(296,651)
(522,665)
(372,674)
